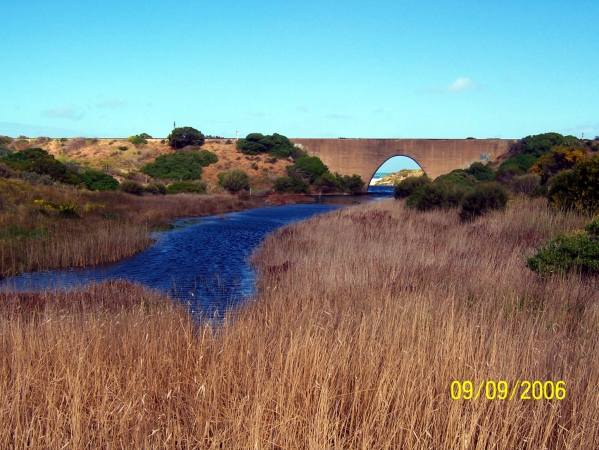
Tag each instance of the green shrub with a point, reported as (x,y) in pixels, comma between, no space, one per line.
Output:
(137,140)
(123,148)
(525,184)
(235,180)
(132,187)
(308,167)
(144,136)
(5,140)
(459,177)
(99,181)
(5,151)
(275,144)
(575,252)
(328,183)
(155,189)
(437,195)
(484,198)
(480,171)
(578,188)
(541,144)
(40,162)
(290,185)
(184,136)
(180,166)
(408,186)
(522,162)
(179,187)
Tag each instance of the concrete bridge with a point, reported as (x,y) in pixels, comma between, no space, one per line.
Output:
(436,156)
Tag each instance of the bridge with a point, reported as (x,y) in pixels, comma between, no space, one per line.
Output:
(436,156)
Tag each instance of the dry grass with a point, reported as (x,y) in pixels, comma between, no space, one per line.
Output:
(363,319)
(109,226)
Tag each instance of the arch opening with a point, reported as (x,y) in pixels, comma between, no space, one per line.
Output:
(394,168)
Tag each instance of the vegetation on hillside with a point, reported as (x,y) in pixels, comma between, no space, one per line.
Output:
(183,165)
(185,136)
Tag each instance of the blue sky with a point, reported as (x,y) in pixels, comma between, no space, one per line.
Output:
(388,69)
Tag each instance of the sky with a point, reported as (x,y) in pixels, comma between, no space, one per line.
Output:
(376,69)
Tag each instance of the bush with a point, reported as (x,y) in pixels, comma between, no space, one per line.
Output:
(521,162)
(5,140)
(484,198)
(123,148)
(179,187)
(525,184)
(308,167)
(137,140)
(437,195)
(459,176)
(328,183)
(575,252)
(235,180)
(351,184)
(180,166)
(275,144)
(132,187)
(540,144)
(408,186)
(144,136)
(99,181)
(40,162)
(290,185)
(184,136)
(155,189)
(560,158)
(578,188)
(5,151)
(480,171)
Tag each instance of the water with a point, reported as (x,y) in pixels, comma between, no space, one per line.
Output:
(204,262)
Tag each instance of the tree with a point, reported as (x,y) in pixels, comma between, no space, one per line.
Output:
(309,167)
(290,185)
(236,180)
(275,144)
(561,158)
(184,136)
(577,188)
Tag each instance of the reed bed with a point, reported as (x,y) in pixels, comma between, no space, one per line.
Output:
(101,227)
(363,319)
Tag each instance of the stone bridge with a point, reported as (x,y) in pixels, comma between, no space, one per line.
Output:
(435,156)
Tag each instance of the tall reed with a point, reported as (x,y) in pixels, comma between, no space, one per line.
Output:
(363,319)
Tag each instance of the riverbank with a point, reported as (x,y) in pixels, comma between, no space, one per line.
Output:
(363,319)
(55,227)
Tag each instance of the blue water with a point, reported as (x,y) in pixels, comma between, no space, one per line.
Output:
(204,262)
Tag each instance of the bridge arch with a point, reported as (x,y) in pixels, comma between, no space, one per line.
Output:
(435,156)
(394,164)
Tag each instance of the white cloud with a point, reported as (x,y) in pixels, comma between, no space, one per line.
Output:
(462,84)
(113,103)
(70,112)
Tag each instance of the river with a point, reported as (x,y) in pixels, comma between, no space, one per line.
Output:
(203,262)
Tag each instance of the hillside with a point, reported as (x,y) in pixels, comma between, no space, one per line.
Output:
(393,178)
(121,159)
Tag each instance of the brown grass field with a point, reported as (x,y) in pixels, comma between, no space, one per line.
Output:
(363,320)
(107,227)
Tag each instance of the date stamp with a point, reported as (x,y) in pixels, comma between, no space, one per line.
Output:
(502,390)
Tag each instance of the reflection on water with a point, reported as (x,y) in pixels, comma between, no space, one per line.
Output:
(203,262)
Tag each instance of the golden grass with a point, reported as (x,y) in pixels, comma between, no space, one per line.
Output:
(363,319)
(110,226)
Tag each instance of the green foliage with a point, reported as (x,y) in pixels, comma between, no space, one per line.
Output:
(290,185)
(235,180)
(5,140)
(408,186)
(180,166)
(144,136)
(578,188)
(275,144)
(137,140)
(351,184)
(484,198)
(5,151)
(437,195)
(575,252)
(480,171)
(39,161)
(459,177)
(561,158)
(526,184)
(99,181)
(132,187)
(123,148)
(521,162)
(540,144)
(179,187)
(308,167)
(184,136)
(328,183)
(155,189)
